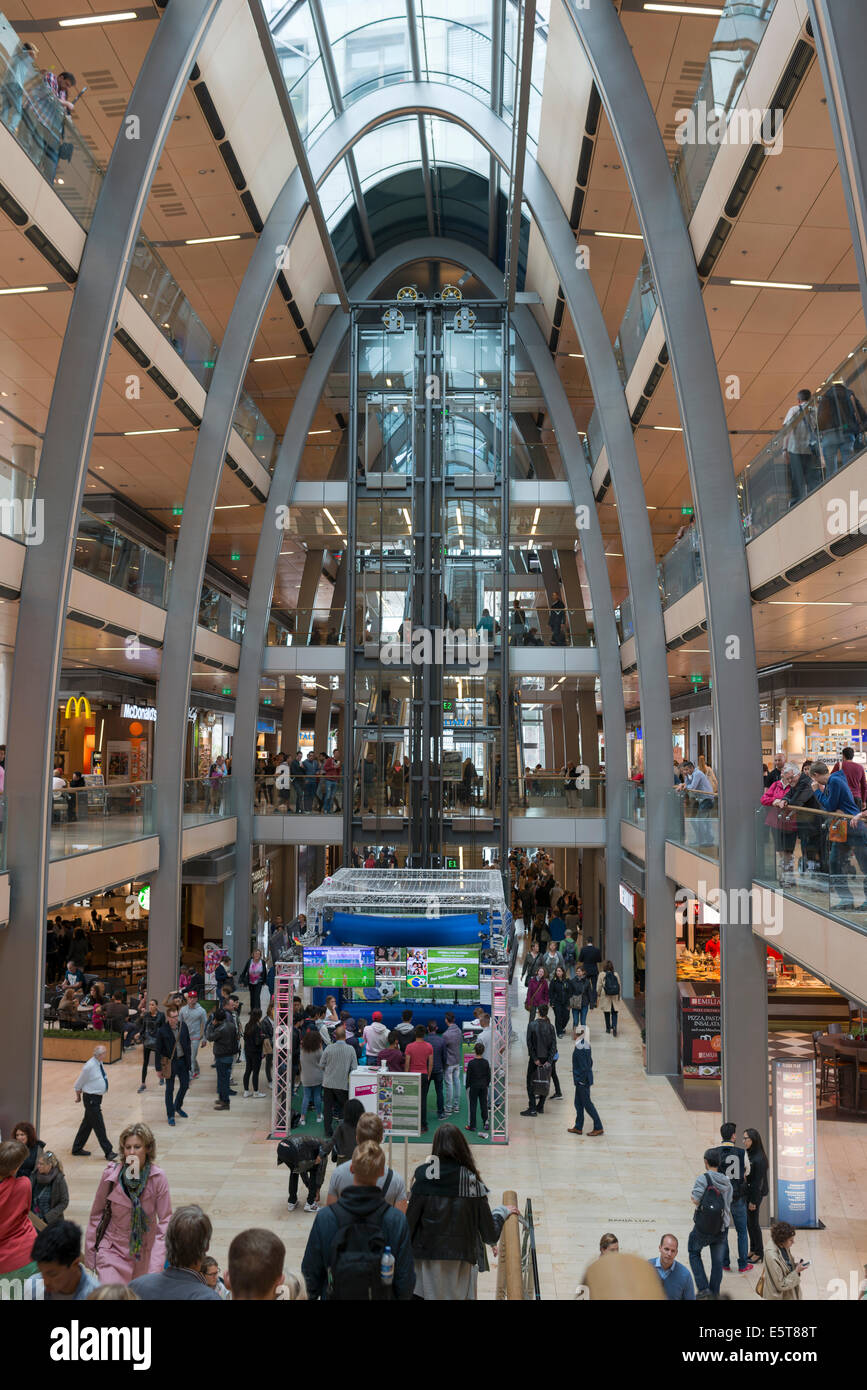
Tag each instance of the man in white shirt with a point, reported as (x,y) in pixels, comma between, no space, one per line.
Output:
(90,1088)
(485,1036)
(800,449)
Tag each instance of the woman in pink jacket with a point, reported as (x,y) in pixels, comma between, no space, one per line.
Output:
(782,824)
(134,1240)
(537,992)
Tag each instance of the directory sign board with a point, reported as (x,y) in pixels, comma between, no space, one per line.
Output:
(795,1141)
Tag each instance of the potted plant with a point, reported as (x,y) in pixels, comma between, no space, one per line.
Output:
(77,1044)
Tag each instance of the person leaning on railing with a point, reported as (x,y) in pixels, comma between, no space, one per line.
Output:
(832,792)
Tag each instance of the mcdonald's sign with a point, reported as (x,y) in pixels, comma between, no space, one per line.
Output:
(76,706)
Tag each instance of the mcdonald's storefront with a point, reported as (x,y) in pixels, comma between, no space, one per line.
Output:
(116,741)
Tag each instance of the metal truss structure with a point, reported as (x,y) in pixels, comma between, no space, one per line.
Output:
(287,978)
(499,1130)
(427,893)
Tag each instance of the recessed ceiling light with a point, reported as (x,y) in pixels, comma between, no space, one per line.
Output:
(97,19)
(25,289)
(283,357)
(769,285)
(206,240)
(708,11)
(174,429)
(621,236)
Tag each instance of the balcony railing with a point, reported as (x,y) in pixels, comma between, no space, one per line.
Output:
(32,114)
(307,627)
(84,819)
(816,857)
(633,803)
(547,794)
(207,799)
(692,820)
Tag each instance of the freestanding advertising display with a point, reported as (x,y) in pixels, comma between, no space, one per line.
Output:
(795,1141)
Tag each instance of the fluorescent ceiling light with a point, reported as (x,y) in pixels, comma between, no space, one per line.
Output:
(708,11)
(538,513)
(174,429)
(97,19)
(806,603)
(577,354)
(770,285)
(25,289)
(206,240)
(617,553)
(322,431)
(283,357)
(649,508)
(232,506)
(622,236)
(672,429)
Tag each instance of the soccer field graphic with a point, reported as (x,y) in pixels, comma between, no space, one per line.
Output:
(339,967)
(442,968)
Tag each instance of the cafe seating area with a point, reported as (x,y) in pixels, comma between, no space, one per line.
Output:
(841,1070)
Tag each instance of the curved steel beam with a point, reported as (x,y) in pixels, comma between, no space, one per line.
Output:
(726,580)
(841,42)
(59,490)
(285,473)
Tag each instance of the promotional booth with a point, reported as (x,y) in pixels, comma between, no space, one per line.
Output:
(387,940)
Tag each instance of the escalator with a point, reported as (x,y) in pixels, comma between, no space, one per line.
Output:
(517,789)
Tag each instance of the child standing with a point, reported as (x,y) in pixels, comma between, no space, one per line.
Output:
(478,1081)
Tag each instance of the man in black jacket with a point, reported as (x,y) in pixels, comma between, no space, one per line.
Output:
(221,1032)
(589,956)
(542,1047)
(173,1046)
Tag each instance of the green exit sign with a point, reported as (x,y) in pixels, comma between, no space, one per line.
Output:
(266,702)
(207,364)
(227,690)
(236,555)
(451,863)
(448,706)
(696,680)
(177,511)
(687,511)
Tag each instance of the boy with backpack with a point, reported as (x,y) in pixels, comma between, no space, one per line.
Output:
(712,1199)
(359,1248)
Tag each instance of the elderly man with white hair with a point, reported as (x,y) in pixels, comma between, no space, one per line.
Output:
(90,1087)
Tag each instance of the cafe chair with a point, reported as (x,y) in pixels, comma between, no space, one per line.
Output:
(828,1078)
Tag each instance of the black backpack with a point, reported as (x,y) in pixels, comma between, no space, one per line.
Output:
(355,1256)
(710,1212)
(610,985)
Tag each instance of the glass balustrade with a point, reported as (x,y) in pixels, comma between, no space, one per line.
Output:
(208,798)
(221,614)
(692,820)
(31,112)
(818,443)
(642,306)
(107,555)
(627,625)
(816,857)
(307,627)
(633,803)
(547,794)
(298,793)
(85,819)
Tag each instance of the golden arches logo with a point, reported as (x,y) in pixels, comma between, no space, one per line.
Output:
(76,706)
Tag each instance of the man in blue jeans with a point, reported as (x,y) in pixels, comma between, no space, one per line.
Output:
(222,1034)
(833,793)
(716,1240)
(733,1163)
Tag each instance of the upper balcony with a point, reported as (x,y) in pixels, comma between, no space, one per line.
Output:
(33,117)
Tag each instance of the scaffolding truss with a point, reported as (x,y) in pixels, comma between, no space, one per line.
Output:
(287,979)
(500,1019)
(427,893)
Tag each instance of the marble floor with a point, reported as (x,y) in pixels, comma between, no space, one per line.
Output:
(635,1180)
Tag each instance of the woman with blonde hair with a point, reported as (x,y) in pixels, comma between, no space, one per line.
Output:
(112,1293)
(126,1234)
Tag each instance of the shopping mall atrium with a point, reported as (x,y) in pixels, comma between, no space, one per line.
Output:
(529,337)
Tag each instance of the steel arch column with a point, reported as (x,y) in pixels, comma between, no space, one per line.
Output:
(188,573)
(285,473)
(840,31)
(726,580)
(59,489)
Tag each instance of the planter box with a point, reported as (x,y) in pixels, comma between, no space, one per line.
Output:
(79,1050)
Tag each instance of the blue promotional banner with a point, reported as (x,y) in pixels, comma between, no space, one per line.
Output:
(361,930)
(795,1141)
